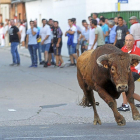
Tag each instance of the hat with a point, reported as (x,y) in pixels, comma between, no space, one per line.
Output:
(133,17)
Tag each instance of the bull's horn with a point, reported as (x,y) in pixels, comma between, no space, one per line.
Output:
(101,58)
(133,56)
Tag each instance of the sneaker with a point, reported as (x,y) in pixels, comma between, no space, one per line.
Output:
(72,65)
(35,66)
(18,64)
(56,66)
(13,64)
(31,66)
(137,105)
(42,63)
(46,65)
(62,65)
(69,60)
(49,64)
(52,63)
(123,108)
(59,64)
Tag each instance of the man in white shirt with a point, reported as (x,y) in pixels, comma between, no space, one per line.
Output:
(91,37)
(135,30)
(45,35)
(95,16)
(72,41)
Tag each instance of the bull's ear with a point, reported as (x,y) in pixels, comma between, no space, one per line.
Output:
(105,64)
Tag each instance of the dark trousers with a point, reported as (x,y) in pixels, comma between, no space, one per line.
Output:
(119,44)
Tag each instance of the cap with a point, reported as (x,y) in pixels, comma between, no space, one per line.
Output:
(133,17)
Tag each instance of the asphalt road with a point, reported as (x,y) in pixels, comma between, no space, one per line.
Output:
(39,103)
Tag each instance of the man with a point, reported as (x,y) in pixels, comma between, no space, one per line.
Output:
(45,35)
(78,34)
(112,34)
(105,30)
(14,39)
(91,37)
(95,16)
(121,32)
(31,43)
(51,52)
(57,44)
(116,21)
(89,19)
(72,41)
(38,43)
(99,35)
(135,30)
(131,49)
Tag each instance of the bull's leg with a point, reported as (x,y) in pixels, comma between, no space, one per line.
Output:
(130,99)
(88,98)
(112,104)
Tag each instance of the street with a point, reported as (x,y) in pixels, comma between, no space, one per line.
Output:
(42,103)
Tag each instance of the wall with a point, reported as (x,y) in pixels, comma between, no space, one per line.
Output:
(4,11)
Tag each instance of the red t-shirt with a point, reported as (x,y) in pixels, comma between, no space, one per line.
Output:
(135,50)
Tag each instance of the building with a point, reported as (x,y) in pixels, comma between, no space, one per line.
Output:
(18,11)
(4,10)
(62,10)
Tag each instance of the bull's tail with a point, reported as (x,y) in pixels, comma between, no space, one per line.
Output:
(85,102)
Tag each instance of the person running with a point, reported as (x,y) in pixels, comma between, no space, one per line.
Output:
(57,44)
(131,48)
(31,43)
(72,41)
(15,37)
(45,35)
(135,30)
(121,32)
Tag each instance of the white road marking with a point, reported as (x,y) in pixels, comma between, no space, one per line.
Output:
(78,136)
(11,110)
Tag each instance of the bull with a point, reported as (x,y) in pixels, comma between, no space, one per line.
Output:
(106,70)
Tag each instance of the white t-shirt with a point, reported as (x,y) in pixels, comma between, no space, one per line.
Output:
(23,33)
(73,28)
(44,31)
(6,28)
(92,38)
(97,20)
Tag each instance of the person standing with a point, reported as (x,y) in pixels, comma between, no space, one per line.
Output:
(121,32)
(95,17)
(22,30)
(72,41)
(135,30)
(112,34)
(99,35)
(2,35)
(15,37)
(116,21)
(57,44)
(105,30)
(45,35)
(31,43)
(39,48)
(6,28)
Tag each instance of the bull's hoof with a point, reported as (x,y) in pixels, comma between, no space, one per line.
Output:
(136,117)
(97,121)
(121,122)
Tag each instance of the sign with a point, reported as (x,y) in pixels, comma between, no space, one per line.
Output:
(119,7)
(123,1)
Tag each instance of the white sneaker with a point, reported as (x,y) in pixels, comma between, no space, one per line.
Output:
(62,65)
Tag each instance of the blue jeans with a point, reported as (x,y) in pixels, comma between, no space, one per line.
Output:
(14,52)
(39,51)
(33,52)
(72,49)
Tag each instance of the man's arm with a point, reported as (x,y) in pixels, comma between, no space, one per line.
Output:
(71,32)
(33,32)
(96,37)
(19,35)
(27,40)
(106,34)
(45,39)
(115,40)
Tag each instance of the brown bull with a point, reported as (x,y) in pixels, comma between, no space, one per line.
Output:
(107,71)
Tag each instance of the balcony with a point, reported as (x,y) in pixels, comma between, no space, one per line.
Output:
(19,1)
(5,1)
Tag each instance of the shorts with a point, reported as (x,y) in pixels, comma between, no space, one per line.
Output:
(46,47)
(136,76)
(57,50)
(51,49)
(72,49)
(119,44)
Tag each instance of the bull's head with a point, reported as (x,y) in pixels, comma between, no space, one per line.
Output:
(119,68)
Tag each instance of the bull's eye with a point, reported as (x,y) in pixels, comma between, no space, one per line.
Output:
(113,69)
(129,69)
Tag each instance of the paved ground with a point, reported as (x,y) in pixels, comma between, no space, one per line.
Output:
(43,103)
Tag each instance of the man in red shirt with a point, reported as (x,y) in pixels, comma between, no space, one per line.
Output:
(131,49)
